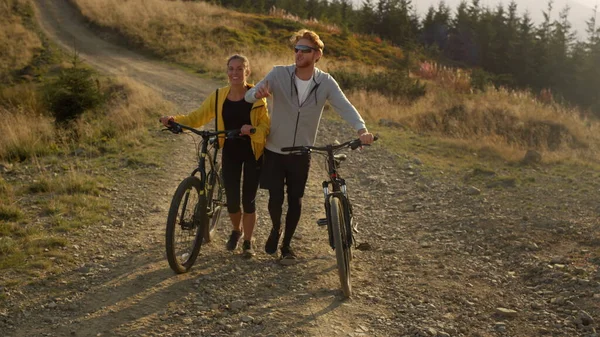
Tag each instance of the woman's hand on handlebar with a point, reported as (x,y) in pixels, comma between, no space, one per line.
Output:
(166,119)
(247,130)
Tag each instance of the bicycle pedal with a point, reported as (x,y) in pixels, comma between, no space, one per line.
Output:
(322,222)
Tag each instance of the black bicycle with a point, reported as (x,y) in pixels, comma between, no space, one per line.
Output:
(196,207)
(338,209)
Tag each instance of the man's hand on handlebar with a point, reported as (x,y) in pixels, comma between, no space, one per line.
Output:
(366,138)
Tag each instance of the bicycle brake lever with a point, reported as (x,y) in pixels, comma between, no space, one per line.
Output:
(355,145)
(175,130)
(232,134)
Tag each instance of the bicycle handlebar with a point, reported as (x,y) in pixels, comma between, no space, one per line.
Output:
(178,128)
(352,144)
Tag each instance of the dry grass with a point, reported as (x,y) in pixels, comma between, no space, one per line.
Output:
(23,96)
(25,133)
(130,109)
(312,22)
(200,34)
(141,15)
(455,79)
(506,122)
(181,31)
(19,44)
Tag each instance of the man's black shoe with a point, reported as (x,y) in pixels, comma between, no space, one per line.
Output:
(272,242)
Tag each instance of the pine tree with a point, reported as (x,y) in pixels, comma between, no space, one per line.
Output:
(367,18)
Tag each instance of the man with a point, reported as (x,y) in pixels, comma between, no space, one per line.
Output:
(299,93)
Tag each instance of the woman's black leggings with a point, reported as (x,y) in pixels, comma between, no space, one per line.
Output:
(237,158)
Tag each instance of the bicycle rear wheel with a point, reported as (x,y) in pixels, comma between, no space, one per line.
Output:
(216,204)
(341,243)
(185,225)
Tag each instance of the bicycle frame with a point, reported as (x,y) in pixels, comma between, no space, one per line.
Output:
(337,183)
(212,158)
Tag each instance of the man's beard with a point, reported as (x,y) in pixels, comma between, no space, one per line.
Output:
(303,64)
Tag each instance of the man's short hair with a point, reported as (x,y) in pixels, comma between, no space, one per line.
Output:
(309,35)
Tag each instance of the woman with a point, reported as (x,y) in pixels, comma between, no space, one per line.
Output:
(239,154)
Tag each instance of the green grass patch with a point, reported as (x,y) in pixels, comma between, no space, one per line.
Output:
(77,211)
(435,153)
(5,188)
(40,264)
(49,242)
(42,185)
(54,207)
(483,167)
(80,184)
(70,183)
(11,229)
(31,252)
(18,230)
(8,246)
(10,213)
(14,258)
(141,161)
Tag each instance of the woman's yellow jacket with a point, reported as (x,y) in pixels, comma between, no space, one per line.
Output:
(259,117)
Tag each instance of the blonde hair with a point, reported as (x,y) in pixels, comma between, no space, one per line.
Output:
(309,35)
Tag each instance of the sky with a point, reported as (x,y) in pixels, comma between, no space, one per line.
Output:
(581,10)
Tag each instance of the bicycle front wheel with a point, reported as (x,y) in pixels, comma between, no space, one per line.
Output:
(341,244)
(185,225)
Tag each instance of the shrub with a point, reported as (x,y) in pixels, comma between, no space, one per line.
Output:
(457,79)
(72,93)
(480,79)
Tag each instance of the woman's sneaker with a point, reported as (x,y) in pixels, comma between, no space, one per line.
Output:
(288,257)
(247,249)
(234,238)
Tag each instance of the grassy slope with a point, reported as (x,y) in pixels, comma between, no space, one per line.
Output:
(19,42)
(52,184)
(201,36)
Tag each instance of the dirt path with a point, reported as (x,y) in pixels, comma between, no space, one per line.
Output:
(65,25)
(509,261)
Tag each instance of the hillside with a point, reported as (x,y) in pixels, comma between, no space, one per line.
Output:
(196,34)
(459,236)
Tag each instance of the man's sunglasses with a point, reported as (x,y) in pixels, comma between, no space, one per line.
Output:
(304,49)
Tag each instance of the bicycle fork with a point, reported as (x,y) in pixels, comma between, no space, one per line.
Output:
(346,208)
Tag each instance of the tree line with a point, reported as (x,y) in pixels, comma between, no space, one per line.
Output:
(507,46)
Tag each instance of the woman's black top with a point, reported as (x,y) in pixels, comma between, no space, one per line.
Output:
(235,115)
